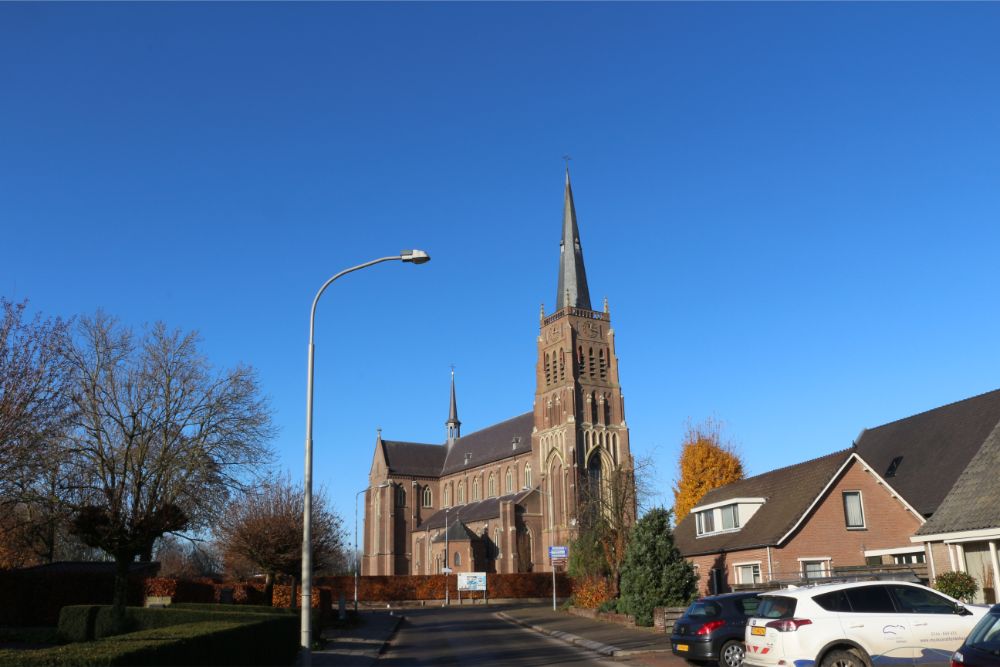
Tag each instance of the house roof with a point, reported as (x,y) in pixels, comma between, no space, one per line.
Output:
(492,443)
(788,494)
(413,458)
(974,501)
(934,446)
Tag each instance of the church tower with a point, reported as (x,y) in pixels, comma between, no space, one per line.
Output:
(579,431)
(453,427)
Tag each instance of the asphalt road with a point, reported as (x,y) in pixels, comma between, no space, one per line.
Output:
(474,637)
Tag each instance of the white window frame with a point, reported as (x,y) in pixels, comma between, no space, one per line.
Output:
(825,560)
(736,517)
(759,576)
(861,503)
(428,497)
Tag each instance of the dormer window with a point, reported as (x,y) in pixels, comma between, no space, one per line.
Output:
(730,517)
(725,516)
(706,522)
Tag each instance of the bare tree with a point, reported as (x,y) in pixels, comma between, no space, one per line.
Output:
(261,532)
(609,502)
(186,558)
(157,440)
(34,406)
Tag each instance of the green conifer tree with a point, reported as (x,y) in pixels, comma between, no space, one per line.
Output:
(655,574)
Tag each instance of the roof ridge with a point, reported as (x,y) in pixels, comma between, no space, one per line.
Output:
(800,463)
(940,407)
(409,442)
(498,424)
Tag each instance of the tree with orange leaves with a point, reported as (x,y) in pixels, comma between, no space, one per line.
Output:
(706,462)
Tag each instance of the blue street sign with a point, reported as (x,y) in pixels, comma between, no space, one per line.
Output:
(557,553)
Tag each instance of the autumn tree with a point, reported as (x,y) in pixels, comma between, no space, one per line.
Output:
(157,441)
(261,532)
(706,462)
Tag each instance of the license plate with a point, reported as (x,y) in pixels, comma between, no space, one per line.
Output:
(681,647)
(758,630)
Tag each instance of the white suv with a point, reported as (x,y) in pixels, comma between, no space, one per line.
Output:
(861,624)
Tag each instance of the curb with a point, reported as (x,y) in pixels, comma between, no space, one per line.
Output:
(392,633)
(597,647)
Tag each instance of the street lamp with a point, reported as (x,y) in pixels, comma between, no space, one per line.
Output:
(414,257)
(447,556)
(356,496)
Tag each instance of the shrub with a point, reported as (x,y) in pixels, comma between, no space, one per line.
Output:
(655,574)
(591,592)
(959,585)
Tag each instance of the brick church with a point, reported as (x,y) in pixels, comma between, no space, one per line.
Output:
(497,498)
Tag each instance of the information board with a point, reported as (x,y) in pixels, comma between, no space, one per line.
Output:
(472,581)
(558,553)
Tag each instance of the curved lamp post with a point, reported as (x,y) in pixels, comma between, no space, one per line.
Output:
(414,257)
(383,485)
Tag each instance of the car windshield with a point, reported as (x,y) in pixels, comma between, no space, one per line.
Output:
(703,609)
(986,634)
(776,606)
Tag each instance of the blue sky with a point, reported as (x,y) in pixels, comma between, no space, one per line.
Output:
(792,208)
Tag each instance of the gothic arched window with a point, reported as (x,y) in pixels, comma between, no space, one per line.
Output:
(461,493)
(527,475)
(475,489)
(508,482)
(492,488)
(428,499)
(447,496)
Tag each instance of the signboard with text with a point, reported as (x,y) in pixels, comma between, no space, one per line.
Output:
(558,553)
(472,581)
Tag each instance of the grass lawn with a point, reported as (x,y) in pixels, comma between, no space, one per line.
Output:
(30,637)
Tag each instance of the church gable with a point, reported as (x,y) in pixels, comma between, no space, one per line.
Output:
(412,458)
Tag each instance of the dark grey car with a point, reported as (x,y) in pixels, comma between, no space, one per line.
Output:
(711,630)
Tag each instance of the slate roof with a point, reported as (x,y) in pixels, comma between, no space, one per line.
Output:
(413,458)
(457,532)
(477,511)
(788,493)
(572,291)
(935,446)
(974,501)
(492,443)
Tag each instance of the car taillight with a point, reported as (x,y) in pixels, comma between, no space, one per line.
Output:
(708,627)
(957,659)
(788,624)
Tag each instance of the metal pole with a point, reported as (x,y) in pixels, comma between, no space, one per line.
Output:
(553,586)
(306,604)
(356,496)
(447,558)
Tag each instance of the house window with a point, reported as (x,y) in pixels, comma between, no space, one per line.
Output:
(706,522)
(748,574)
(854,515)
(813,569)
(527,475)
(428,499)
(730,517)
(909,559)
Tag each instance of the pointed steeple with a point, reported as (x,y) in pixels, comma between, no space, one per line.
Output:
(454,427)
(573,291)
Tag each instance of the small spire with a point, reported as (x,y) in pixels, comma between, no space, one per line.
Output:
(573,291)
(606,311)
(453,425)
(378,434)
(541,314)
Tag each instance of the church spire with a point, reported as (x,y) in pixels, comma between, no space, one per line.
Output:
(573,291)
(454,427)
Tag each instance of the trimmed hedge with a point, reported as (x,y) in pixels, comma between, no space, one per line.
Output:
(80,623)
(264,640)
(431,586)
(31,597)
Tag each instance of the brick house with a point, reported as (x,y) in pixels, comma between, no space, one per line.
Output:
(919,492)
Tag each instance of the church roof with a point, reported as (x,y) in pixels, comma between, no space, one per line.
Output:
(932,448)
(477,511)
(492,443)
(413,458)
(573,290)
(457,532)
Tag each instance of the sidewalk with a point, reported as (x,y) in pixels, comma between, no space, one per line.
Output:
(360,645)
(604,638)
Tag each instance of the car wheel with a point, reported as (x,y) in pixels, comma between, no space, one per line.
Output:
(843,659)
(731,654)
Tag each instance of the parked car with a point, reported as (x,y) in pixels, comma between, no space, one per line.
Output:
(982,646)
(711,630)
(858,624)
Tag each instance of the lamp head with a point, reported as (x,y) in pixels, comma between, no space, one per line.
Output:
(415,256)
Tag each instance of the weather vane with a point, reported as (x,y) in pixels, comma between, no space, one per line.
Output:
(567,158)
